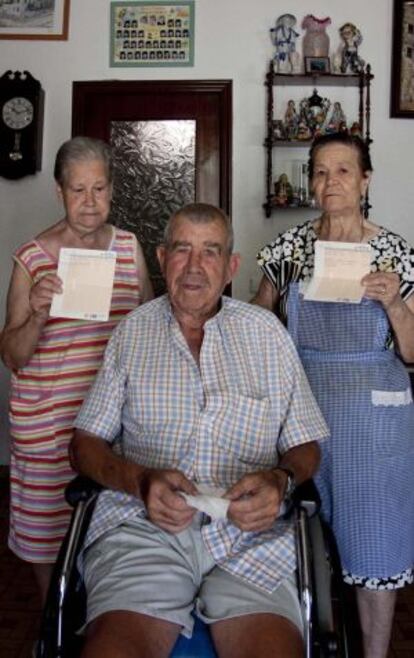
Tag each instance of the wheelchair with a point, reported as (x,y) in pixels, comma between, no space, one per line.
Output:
(318,576)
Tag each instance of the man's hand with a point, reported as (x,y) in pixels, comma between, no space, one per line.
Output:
(165,506)
(256,499)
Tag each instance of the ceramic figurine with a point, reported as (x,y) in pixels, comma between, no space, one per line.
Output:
(279,131)
(316,40)
(352,38)
(284,39)
(291,120)
(337,118)
(304,132)
(356,129)
(283,191)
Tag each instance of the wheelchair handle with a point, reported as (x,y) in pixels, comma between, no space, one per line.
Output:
(81,489)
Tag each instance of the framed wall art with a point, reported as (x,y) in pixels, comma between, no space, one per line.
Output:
(152,33)
(402,69)
(34,20)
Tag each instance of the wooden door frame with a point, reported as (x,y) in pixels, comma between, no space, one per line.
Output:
(86,93)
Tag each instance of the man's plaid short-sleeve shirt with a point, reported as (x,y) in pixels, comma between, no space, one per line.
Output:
(243,405)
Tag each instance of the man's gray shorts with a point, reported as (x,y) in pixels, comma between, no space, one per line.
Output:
(140,568)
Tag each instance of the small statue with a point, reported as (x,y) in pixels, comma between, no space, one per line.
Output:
(356,129)
(283,191)
(291,120)
(279,131)
(284,39)
(352,38)
(304,132)
(337,118)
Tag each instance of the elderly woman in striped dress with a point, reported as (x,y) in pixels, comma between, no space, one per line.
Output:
(54,360)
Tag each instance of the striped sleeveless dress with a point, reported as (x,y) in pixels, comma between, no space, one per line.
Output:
(46,395)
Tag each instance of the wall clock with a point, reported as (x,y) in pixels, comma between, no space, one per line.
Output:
(21,124)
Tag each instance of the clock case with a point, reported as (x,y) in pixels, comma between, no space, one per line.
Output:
(21,84)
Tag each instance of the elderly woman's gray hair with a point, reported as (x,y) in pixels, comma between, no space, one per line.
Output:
(81,149)
(200,213)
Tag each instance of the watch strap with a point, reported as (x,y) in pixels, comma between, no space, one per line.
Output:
(291,482)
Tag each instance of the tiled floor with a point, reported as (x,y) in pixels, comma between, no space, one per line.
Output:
(20,609)
(19,604)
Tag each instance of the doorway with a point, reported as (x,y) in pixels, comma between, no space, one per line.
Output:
(172,145)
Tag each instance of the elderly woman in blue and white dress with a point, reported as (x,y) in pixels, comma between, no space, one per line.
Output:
(353,355)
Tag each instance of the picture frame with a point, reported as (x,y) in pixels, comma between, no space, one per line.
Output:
(402,63)
(152,33)
(22,21)
(317,65)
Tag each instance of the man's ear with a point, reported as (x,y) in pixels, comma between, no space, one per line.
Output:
(160,251)
(234,265)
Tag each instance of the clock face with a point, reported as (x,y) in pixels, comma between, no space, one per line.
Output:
(17,113)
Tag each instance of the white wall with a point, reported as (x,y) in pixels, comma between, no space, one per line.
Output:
(231,42)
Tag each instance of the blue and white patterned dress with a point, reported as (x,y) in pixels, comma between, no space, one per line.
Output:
(363,389)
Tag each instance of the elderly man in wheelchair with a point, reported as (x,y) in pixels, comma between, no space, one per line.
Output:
(214,423)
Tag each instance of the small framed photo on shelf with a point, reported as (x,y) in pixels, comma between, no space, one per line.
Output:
(317,65)
(152,33)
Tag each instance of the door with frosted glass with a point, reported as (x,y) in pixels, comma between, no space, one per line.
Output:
(172,145)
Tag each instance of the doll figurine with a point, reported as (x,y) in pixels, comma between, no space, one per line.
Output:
(337,117)
(284,39)
(356,129)
(291,120)
(279,131)
(283,191)
(352,38)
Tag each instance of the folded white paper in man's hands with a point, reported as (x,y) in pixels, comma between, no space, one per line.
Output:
(209,500)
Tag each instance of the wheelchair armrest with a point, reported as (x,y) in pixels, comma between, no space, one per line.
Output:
(81,488)
(306,496)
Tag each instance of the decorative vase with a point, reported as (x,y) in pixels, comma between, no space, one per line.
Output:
(316,40)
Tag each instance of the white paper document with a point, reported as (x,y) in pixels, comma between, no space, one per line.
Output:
(339,268)
(87,281)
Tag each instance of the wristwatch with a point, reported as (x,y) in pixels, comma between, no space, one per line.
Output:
(290,482)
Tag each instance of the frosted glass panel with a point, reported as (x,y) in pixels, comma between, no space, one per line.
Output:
(154,176)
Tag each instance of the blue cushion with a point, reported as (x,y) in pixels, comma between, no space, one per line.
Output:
(199,646)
